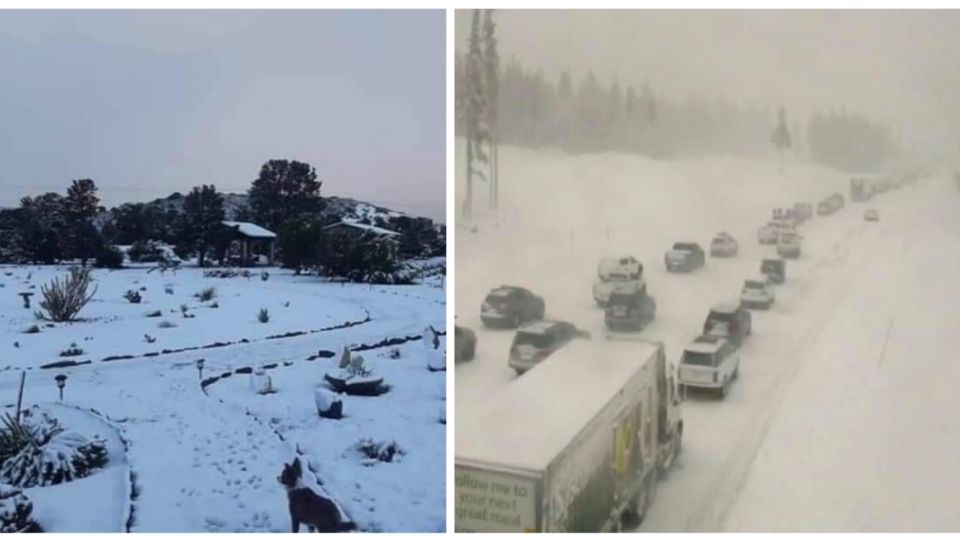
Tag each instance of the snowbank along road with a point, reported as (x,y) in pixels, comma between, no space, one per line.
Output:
(842,417)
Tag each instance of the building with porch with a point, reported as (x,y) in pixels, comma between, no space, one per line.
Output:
(249,244)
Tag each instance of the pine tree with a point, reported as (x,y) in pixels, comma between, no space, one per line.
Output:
(284,191)
(79,208)
(781,135)
(475,107)
(202,220)
(492,87)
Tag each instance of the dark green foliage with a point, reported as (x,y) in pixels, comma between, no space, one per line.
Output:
(109,257)
(82,240)
(284,191)
(366,259)
(72,350)
(41,224)
(38,451)
(299,242)
(15,511)
(849,142)
(202,221)
(143,251)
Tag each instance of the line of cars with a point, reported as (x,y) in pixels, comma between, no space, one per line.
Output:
(634,395)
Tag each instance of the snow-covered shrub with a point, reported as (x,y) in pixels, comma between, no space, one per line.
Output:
(379,451)
(394,353)
(133,296)
(32,329)
(263,315)
(154,313)
(109,257)
(72,350)
(51,455)
(15,511)
(207,294)
(145,252)
(166,324)
(63,300)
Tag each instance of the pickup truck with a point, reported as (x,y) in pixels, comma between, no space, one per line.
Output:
(685,257)
(545,456)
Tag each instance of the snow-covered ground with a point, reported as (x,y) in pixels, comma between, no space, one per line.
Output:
(208,459)
(843,417)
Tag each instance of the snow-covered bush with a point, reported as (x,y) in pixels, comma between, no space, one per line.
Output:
(51,455)
(146,252)
(378,451)
(32,329)
(15,511)
(109,257)
(72,350)
(263,315)
(133,296)
(63,300)
(154,313)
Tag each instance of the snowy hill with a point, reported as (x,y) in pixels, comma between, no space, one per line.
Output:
(236,203)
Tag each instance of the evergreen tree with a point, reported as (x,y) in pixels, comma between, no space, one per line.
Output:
(492,86)
(202,220)
(82,240)
(781,135)
(284,191)
(474,115)
(41,225)
(299,244)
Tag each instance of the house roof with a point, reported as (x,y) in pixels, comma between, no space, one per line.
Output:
(380,231)
(250,230)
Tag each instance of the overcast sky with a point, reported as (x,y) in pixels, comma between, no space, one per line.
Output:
(900,66)
(150,102)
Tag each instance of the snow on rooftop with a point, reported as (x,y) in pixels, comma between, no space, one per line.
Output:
(250,229)
(535,417)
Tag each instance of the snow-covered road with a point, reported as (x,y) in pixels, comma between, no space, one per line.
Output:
(842,416)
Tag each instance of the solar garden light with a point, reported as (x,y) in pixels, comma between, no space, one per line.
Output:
(61,382)
(200,368)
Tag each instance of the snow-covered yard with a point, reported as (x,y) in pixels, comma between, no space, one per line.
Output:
(207,458)
(843,416)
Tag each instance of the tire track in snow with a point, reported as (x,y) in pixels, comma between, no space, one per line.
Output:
(710,510)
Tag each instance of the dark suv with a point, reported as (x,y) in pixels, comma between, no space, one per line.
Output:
(535,341)
(730,320)
(509,307)
(629,308)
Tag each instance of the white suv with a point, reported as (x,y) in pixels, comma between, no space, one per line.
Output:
(612,273)
(757,293)
(709,362)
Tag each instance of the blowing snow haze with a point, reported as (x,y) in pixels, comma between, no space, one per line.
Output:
(150,102)
(896,67)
